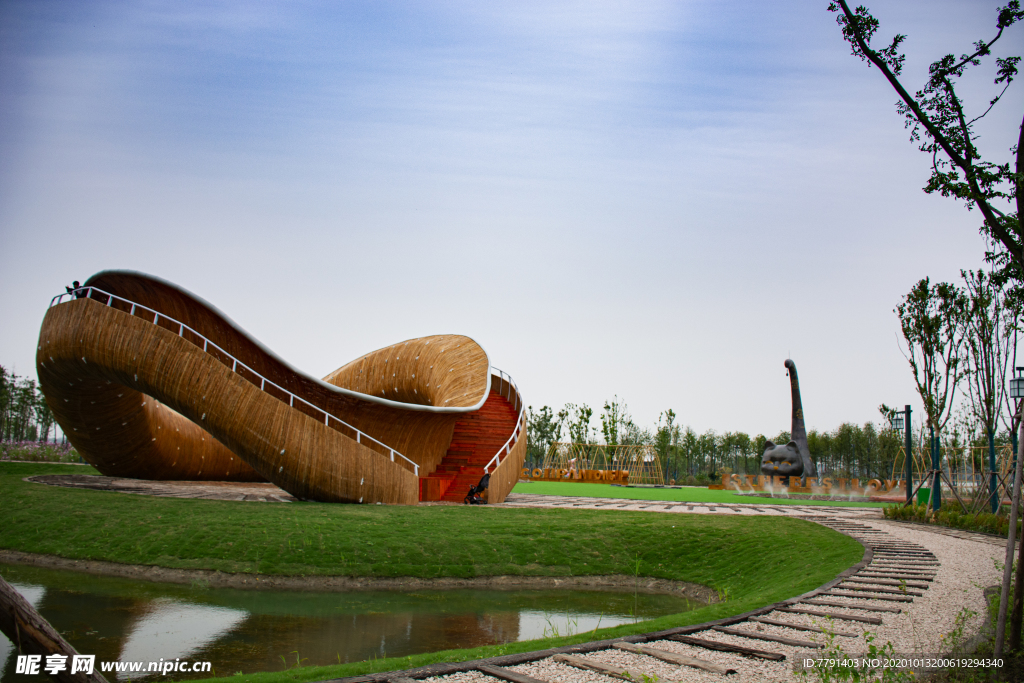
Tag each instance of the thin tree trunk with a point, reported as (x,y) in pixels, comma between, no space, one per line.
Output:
(1011,537)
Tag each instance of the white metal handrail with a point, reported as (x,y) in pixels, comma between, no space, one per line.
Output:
(86,293)
(507,448)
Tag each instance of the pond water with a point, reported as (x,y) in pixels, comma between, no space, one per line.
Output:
(238,630)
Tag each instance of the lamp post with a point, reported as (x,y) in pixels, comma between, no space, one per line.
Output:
(1017,610)
(901,422)
(1017,393)
(1017,384)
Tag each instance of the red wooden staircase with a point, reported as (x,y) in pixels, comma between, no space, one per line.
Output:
(477,437)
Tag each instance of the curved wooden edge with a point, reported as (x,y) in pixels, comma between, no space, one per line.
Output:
(442,371)
(185,307)
(506,475)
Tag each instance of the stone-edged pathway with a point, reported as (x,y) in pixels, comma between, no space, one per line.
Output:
(810,512)
(266,492)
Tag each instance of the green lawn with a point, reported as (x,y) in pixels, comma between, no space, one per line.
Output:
(686,494)
(751,561)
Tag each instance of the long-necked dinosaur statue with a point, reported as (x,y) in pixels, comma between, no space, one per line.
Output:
(794,458)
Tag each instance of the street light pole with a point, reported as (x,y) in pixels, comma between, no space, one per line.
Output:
(1017,609)
(1016,392)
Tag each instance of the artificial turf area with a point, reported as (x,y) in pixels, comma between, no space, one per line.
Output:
(686,494)
(750,561)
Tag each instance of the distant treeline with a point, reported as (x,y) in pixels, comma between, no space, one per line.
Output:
(24,415)
(850,450)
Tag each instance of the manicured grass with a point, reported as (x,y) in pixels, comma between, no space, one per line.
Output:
(686,494)
(751,561)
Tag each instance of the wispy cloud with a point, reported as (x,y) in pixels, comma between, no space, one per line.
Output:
(659,200)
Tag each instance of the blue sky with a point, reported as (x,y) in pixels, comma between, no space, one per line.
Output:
(659,201)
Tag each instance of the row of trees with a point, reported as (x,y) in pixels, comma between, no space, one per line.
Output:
(962,337)
(850,450)
(24,415)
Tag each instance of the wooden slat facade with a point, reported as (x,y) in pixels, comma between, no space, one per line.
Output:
(144,400)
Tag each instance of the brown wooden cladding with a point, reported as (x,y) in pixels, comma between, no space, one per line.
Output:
(144,400)
(448,371)
(84,345)
(422,436)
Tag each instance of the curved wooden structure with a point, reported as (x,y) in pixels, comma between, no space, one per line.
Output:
(149,381)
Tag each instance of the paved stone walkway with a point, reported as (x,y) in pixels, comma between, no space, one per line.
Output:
(265,492)
(814,513)
(810,512)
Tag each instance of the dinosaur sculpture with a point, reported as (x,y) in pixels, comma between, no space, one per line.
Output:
(794,458)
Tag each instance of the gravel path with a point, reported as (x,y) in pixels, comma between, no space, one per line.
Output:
(812,512)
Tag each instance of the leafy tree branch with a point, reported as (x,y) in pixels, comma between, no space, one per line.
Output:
(958,169)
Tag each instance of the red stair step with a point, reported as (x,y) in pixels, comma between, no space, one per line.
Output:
(475,440)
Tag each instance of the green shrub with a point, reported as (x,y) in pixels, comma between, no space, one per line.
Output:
(952,515)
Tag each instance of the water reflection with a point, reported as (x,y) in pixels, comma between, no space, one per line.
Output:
(175,630)
(236,630)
